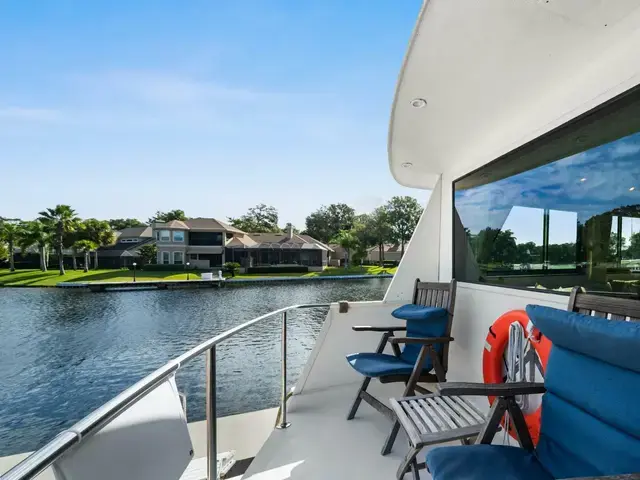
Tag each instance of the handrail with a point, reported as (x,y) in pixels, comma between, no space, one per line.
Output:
(39,460)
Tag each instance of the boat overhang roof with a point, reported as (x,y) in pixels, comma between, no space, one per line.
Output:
(497,74)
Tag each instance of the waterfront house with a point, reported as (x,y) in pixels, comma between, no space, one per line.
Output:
(391,253)
(200,242)
(279,249)
(124,251)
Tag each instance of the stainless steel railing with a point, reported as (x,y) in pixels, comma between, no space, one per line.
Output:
(92,423)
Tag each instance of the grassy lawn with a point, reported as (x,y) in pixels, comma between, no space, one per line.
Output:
(36,278)
(364,270)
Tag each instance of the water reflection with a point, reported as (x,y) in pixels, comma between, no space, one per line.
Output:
(64,353)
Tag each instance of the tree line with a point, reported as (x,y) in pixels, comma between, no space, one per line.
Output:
(60,228)
(500,247)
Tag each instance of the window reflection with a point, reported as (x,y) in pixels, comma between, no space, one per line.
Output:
(572,221)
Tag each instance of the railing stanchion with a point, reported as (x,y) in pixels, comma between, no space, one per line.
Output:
(212,453)
(283,362)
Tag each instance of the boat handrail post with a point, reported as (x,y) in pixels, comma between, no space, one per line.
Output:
(283,362)
(212,437)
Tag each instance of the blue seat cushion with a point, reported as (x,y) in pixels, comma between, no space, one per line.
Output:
(418,312)
(381,364)
(484,462)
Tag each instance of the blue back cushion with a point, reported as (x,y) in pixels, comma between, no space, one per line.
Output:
(590,415)
(436,326)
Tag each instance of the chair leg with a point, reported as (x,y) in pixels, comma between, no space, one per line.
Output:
(407,463)
(414,470)
(409,390)
(358,399)
(391,438)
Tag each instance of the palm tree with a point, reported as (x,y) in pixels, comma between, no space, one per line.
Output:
(85,246)
(11,232)
(347,240)
(59,221)
(99,232)
(36,233)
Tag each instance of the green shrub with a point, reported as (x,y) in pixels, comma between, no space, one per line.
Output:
(232,268)
(286,269)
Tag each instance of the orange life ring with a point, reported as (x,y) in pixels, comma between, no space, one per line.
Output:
(494,364)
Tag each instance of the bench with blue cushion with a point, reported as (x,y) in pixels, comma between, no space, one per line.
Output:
(590,422)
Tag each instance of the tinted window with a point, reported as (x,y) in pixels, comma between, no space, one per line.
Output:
(535,220)
(205,238)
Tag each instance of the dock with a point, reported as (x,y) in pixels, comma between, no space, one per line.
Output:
(142,285)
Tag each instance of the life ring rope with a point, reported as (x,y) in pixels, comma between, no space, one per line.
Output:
(533,352)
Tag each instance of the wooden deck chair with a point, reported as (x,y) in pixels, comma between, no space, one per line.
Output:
(424,357)
(590,418)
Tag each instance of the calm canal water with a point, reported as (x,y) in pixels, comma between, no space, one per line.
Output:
(64,353)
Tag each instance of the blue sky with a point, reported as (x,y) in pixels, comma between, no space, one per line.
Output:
(122,108)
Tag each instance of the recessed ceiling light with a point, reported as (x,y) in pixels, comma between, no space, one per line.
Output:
(407,165)
(583,179)
(632,189)
(418,102)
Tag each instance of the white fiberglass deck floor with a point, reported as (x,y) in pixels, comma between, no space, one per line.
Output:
(321,444)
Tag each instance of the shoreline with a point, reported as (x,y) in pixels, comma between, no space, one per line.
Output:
(194,283)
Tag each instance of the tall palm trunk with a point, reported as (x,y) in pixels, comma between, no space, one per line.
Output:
(12,265)
(86,262)
(43,258)
(74,261)
(95,260)
(59,247)
(381,254)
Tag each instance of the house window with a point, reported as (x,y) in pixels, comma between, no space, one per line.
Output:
(165,258)
(205,238)
(561,212)
(178,236)
(163,235)
(129,240)
(178,258)
(193,256)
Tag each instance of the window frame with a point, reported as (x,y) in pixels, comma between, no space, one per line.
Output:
(563,132)
(173,236)
(162,257)
(159,236)
(173,257)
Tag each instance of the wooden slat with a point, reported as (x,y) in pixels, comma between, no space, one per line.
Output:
(634,319)
(620,306)
(445,300)
(460,422)
(460,411)
(470,408)
(429,423)
(584,311)
(599,314)
(416,420)
(433,414)
(440,299)
(618,317)
(404,420)
(428,299)
(441,412)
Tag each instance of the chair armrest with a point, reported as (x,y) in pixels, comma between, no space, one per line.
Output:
(624,476)
(365,328)
(420,340)
(490,389)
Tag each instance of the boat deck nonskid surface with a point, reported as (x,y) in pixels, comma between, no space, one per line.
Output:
(321,444)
